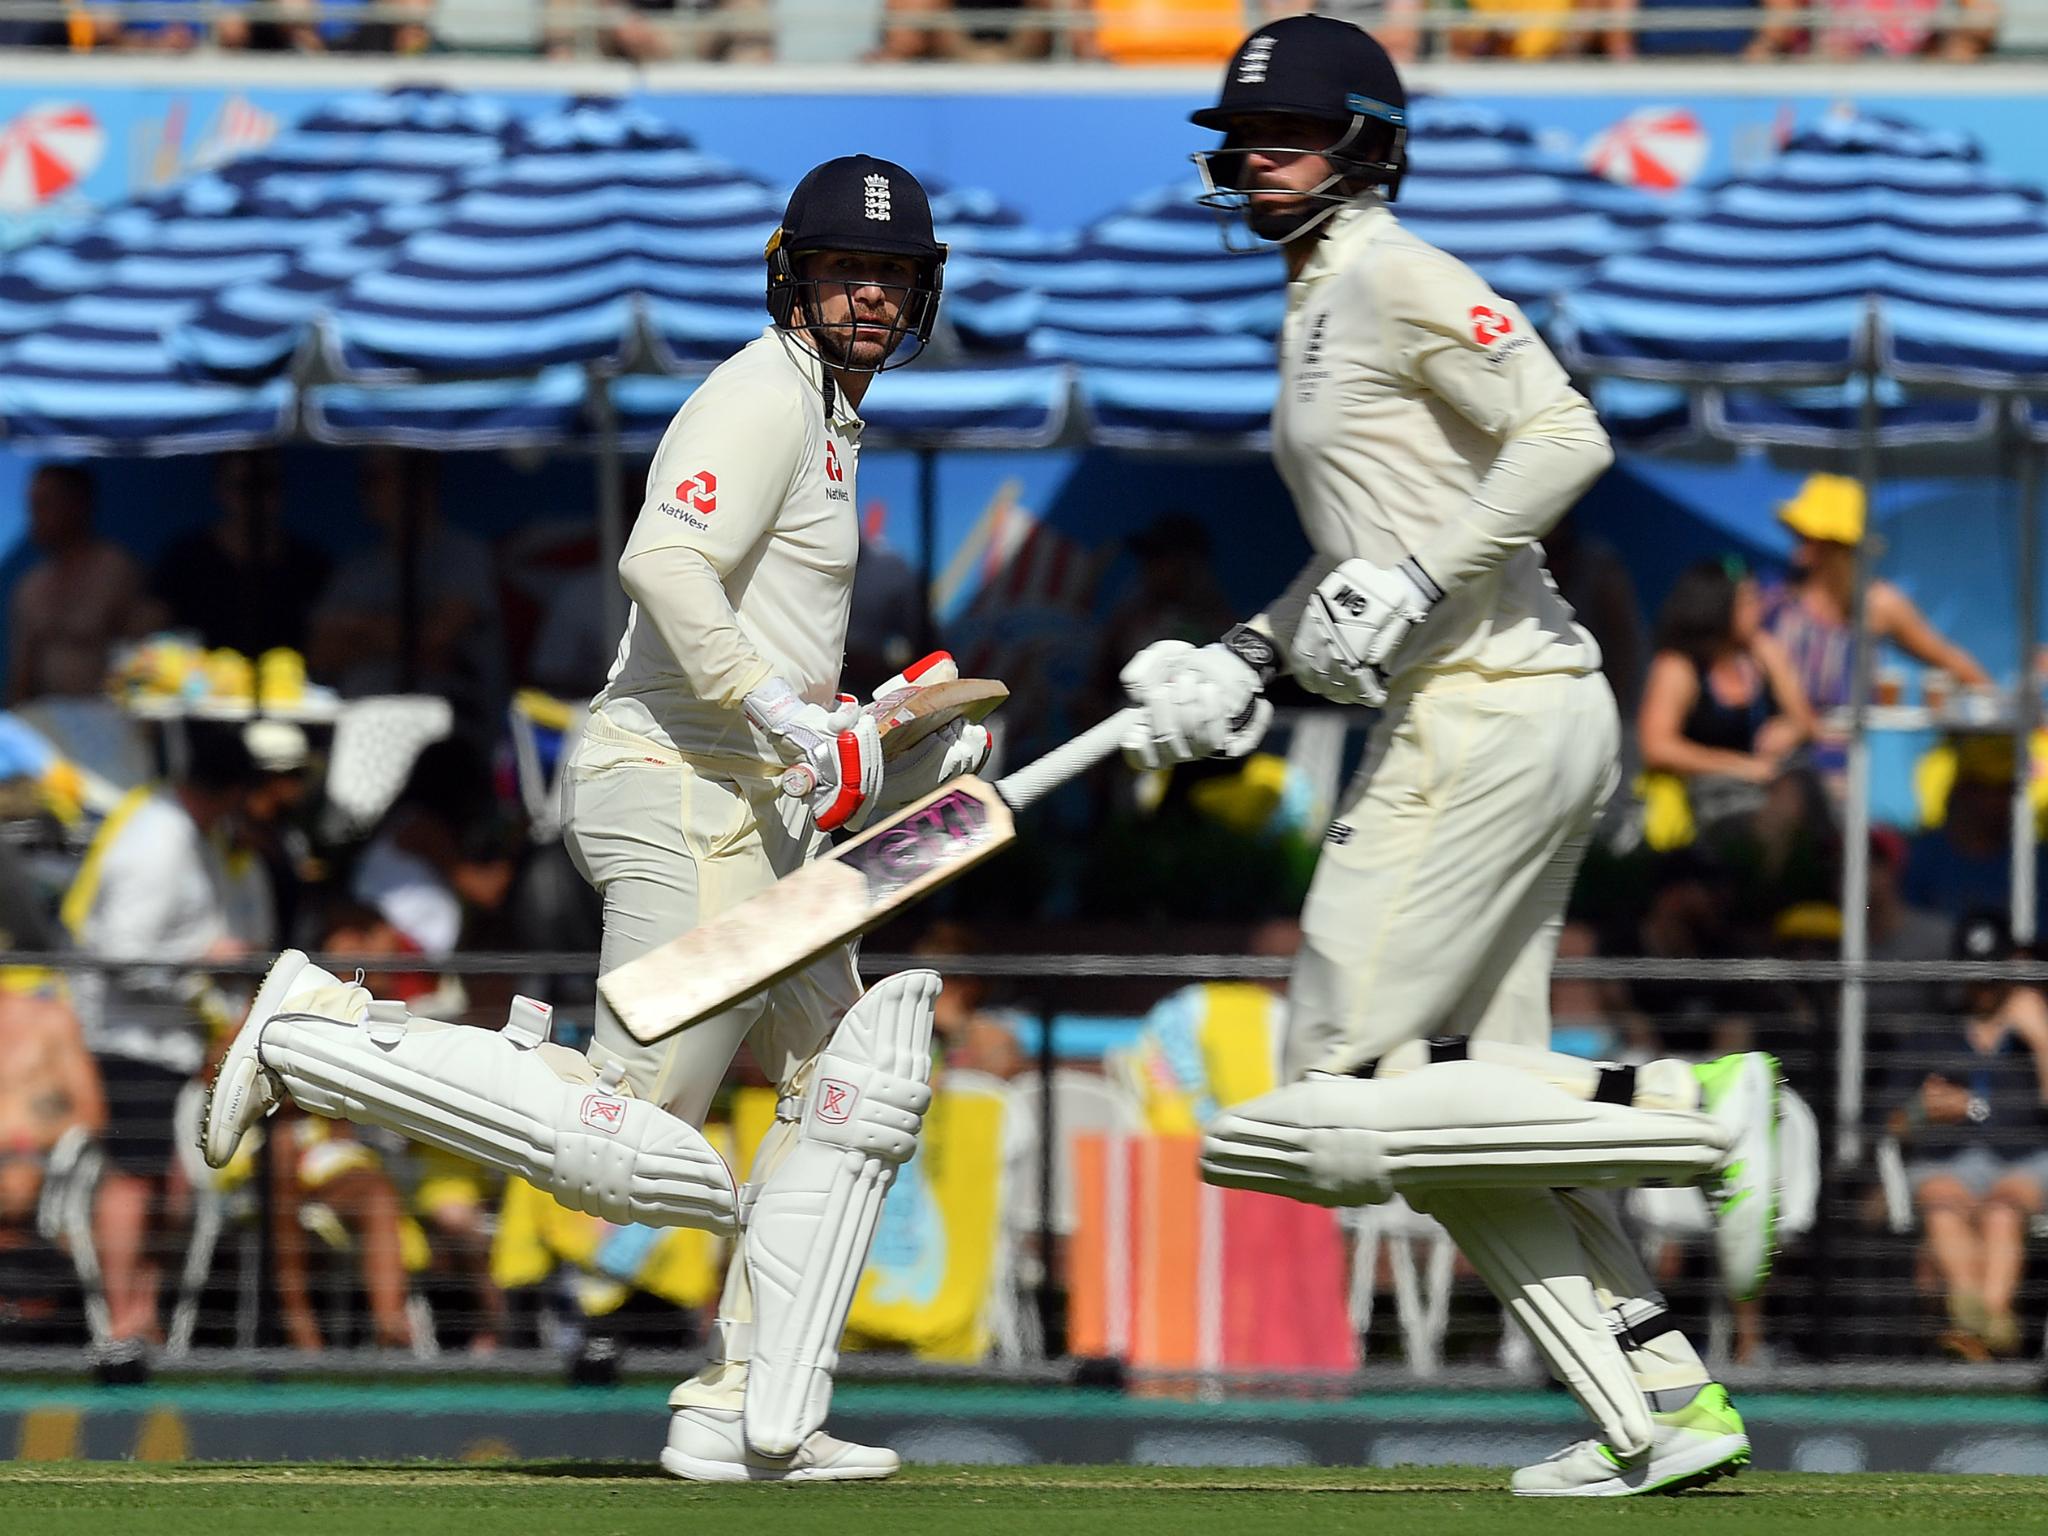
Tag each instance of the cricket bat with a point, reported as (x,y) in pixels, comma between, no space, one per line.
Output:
(834,899)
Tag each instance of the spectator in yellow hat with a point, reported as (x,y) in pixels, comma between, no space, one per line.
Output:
(1809,616)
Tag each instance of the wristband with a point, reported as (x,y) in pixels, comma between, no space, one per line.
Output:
(1254,650)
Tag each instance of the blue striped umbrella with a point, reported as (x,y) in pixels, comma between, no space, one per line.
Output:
(1174,334)
(1777,279)
(83,362)
(608,240)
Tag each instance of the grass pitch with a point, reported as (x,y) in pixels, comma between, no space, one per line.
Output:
(604,1499)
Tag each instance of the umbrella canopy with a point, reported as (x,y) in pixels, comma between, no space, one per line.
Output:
(1173,334)
(83,362)
(1777,279)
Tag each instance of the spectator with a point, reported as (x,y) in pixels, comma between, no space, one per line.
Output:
(1964,864)
(450,1196)
(153,887)
(244,583)
(1970,1110)
(1689,914)
(1210,1045)
(1590,1018)
(131,26)
(33,34)
(1626,42)
(904,38)
(1594,579)
(573,653)
(73,606)
(636,30)
(1543,41)
(969,1035)
(270,826)
(1809,616)
(1900,930)
(1392,22)
(1722,708)
(1175,596)
(49,1087)
(1898,29)
(338,33)
(885,625)
(435,859)
(361,638)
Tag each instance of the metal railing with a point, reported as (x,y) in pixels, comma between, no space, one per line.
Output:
(1845,1309)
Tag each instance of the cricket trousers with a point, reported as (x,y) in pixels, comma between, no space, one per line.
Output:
(668,842)
(1441,889)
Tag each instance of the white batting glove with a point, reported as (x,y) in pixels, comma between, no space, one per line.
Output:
(837,751)
(1207,702)
(1356,619)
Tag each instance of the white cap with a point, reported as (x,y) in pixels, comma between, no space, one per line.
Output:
(276,746)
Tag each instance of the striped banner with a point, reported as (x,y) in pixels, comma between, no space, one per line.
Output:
(1168,1273)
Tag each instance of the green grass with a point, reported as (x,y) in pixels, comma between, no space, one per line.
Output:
(130,1499)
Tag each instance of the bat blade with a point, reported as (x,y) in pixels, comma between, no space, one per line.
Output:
(907,718)
(830,901)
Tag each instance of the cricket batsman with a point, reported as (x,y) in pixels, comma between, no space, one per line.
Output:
(1429,439)
(740,570)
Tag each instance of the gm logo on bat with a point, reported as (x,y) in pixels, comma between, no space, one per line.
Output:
(951,826)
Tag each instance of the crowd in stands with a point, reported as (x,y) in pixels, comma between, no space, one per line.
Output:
(1009,31)
(1729,849)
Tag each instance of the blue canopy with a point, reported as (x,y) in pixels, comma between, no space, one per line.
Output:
(83,364)
(1173,334)
(1776,281)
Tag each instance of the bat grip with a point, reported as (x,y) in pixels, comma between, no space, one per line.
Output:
(1041,777)
(798,780)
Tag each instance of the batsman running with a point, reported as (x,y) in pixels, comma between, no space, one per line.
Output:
(717,757)
(1429,439)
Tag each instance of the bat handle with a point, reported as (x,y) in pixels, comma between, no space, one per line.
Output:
(1039,778)
(799,780)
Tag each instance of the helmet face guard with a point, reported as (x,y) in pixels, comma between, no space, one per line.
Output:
(1354,167)
(794,305)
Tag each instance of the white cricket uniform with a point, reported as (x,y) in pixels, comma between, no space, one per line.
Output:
(1420,415)
(740,568)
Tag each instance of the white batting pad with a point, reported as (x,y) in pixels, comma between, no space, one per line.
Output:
(1525,1248)
(1460,1124)
(536,1111)
(814,1215)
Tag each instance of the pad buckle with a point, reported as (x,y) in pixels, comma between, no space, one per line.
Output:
(529,1022)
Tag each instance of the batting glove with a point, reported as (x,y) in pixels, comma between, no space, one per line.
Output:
(1198,703)
(1356,619)
(836,753)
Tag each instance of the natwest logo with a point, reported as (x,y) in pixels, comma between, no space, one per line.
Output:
(1489,325)
(832,470)
(700,492)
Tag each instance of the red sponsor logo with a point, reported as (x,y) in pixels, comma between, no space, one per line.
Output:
(832,470)
(1489,325)
(602,1112)
(835,1100)
(700,492)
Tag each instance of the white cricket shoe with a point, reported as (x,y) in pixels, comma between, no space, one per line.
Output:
(705,1445)
(1741,1092)
(1692,1446)
(242,1092)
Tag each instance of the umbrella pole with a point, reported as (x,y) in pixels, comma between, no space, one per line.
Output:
(928,544)
(2026,695)
(611,512)
(1856,812)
